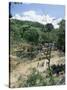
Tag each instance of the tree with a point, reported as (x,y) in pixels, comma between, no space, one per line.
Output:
(43,38)
(49,27)
(61,36)
(31,36)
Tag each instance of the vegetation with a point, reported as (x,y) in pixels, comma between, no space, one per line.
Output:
(35,79)
(33,32)
(30,39)
(61,36)
(38,79)
(31,36)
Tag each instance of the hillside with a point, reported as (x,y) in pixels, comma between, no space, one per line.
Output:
(36,51)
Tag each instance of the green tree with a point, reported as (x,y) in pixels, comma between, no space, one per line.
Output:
(61,36)
(31,36)
(49,27)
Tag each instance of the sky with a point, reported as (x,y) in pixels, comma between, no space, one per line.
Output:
(42,13)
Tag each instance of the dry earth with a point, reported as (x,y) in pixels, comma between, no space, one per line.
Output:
(20,68)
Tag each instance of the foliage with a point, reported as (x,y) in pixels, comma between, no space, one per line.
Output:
(31,36)
(49,27)
(61,36)
(51,80)
(35,79)
(57,68)
(36,33)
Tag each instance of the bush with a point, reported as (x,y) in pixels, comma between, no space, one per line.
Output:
(31,36)
(35,79)
(51,80)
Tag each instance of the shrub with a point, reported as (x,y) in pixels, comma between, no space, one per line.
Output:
(35,79)
(31,36)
